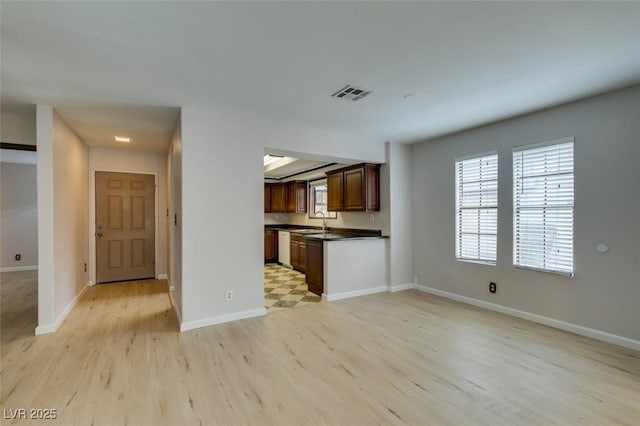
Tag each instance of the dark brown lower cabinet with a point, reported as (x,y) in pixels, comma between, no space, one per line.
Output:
(270,246)
(314,270)
(298,253)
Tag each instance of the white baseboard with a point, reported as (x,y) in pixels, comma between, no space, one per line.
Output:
(175,308)
(399,287)
(190,325)
(19,268)
(51,328)
(355,293)
(163,276)
(551,322)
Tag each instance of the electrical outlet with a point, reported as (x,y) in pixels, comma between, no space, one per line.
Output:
(18,257)
(415,280)
(229,295)
(493,287)
(372,217)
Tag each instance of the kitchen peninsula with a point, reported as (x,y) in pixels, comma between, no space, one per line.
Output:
(338,263)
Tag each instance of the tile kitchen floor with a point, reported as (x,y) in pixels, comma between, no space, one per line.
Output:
(285,288)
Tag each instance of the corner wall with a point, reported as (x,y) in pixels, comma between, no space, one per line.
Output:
(223,206)
(604,295)
(174,167)
(63,199)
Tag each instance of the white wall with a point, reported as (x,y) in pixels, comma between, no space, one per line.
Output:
(63,199)
(71,213)
(400,192)
(605,293)
(354,268)
(18,216)
(46,287)
(174,166)
(223,210)
(124,160)
(18,125)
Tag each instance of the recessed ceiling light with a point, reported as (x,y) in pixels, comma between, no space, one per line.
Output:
(268,159)
(123,139)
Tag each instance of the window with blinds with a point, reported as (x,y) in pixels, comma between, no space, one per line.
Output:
(477,208)
(543,206)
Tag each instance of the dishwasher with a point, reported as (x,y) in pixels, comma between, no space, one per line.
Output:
(284,248)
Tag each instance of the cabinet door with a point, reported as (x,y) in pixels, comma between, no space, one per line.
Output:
(334,192)
(267,198)
(294,254)
(373,187)
(290,197)
(301,197)
(303,257)
(278,198)
(270,246)
(313,270)
(354,190)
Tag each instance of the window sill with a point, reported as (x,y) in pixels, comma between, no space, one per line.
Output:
(547,271)
(479,262)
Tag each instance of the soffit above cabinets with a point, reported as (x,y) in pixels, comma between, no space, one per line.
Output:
(282,168)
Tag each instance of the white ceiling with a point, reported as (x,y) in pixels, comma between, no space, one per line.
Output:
(150,128)
(465,63)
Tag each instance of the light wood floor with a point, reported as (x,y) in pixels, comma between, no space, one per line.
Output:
(401,358)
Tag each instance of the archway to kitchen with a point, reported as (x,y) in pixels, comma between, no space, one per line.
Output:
(297,211)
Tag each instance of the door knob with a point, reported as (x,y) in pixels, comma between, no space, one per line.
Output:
(99,234)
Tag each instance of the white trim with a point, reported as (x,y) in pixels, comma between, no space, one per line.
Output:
(175,308)
(51,328)
(19,268)
(472,156)
(535,145)
(92,217)
(355,293)
(551,322)
(190,325)
(163,276)
(399,287)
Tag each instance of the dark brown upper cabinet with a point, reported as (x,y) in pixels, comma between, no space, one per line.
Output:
(334,192)
(290,197)
(354,188)
(296,197)
(278,197)
(267,198)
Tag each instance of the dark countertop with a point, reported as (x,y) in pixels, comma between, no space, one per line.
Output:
(332,234)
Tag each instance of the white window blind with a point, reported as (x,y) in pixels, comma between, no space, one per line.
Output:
(477,208)
(543,207)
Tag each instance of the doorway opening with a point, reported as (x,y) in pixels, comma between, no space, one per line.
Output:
(125,226)
(294,197)
(19,243)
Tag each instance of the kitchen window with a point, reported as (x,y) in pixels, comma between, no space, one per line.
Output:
(543,203)
(318,200)
(477,208)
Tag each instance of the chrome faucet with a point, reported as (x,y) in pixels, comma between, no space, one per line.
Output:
(324,221)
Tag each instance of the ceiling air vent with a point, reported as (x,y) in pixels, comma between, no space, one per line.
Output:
(351,92)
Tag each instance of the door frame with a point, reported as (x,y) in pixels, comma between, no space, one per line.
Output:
(92,219)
